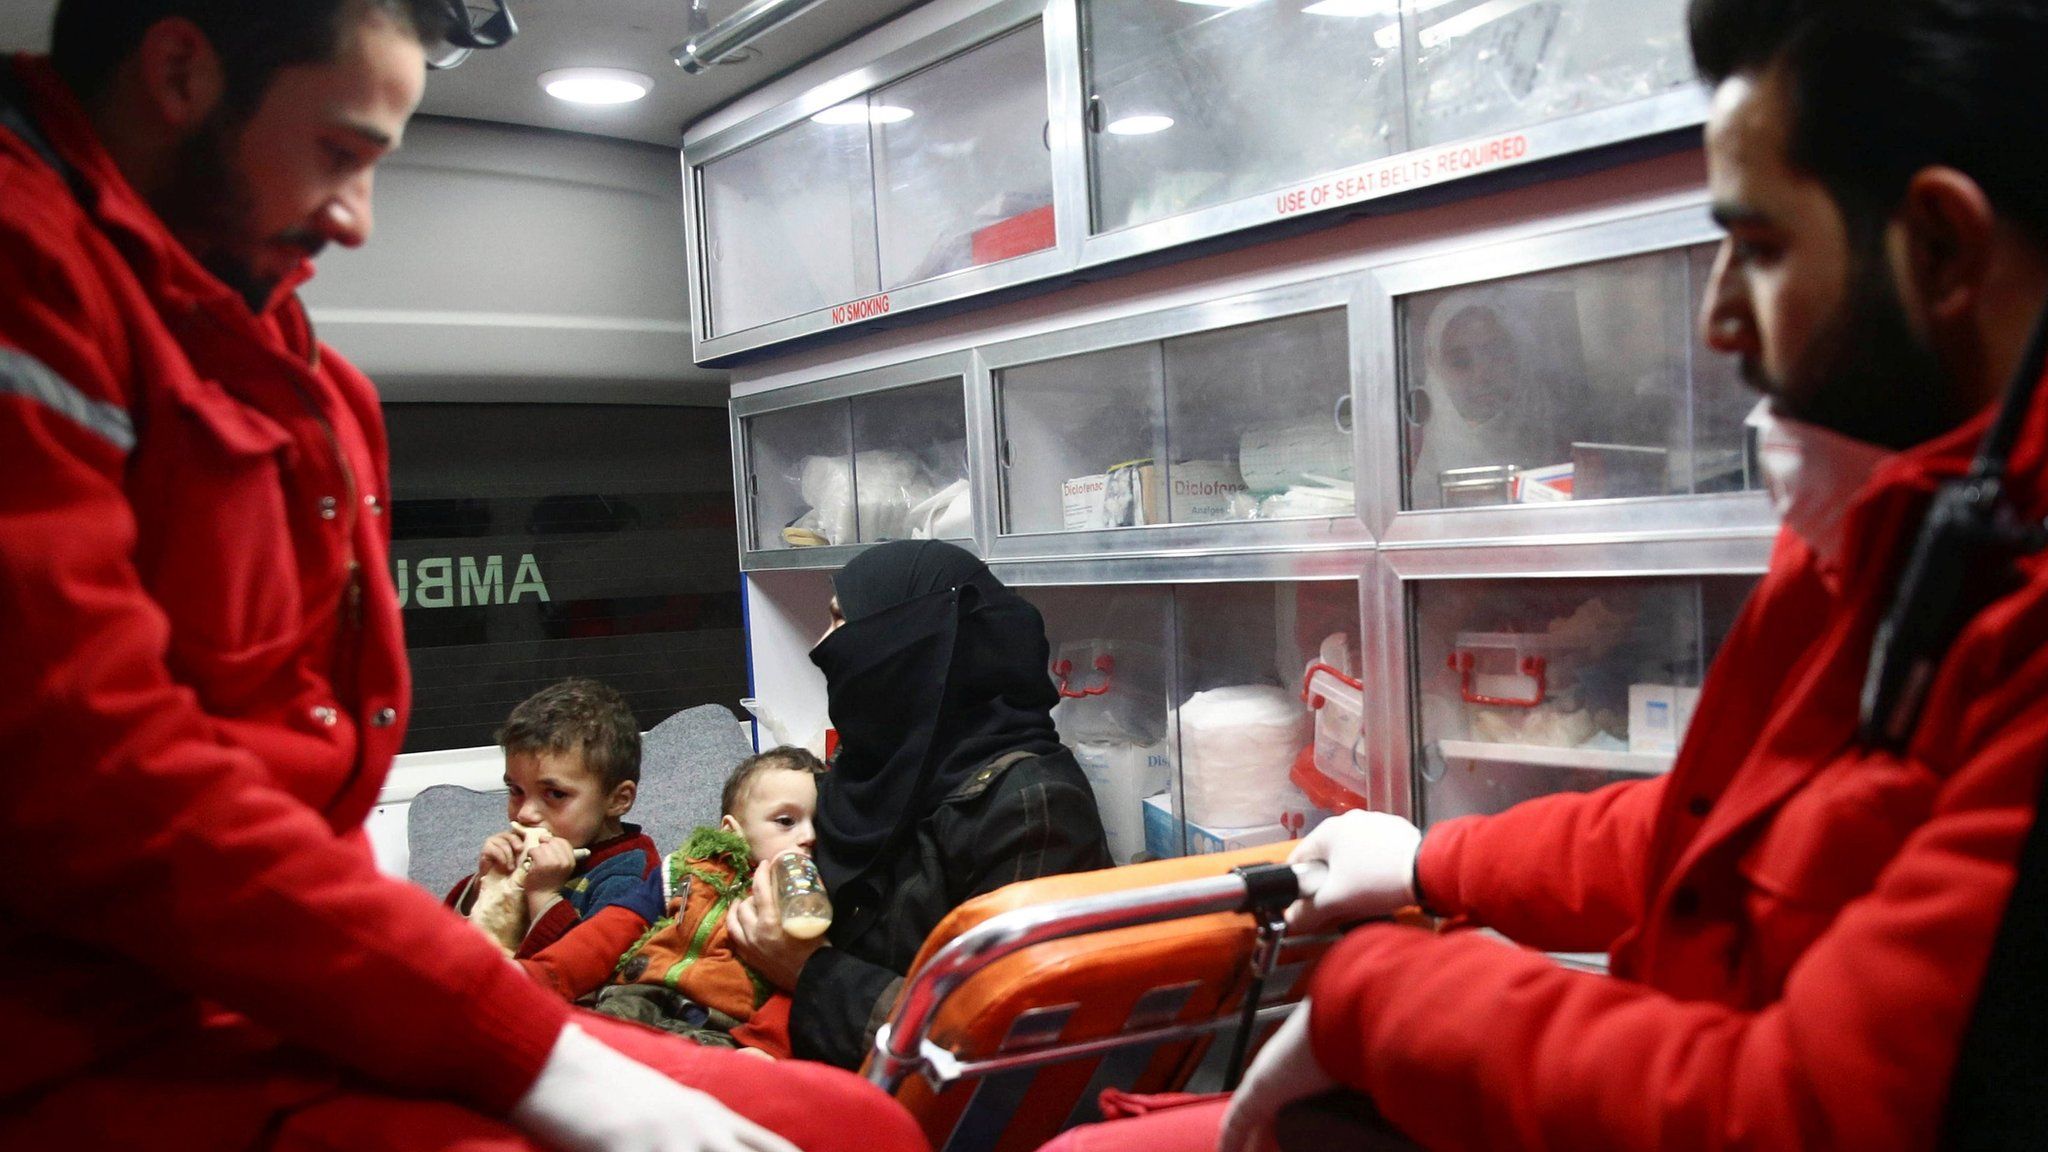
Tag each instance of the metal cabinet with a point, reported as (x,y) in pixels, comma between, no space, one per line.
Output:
(916,179)
(1253,492)
(1184,704)
(825,468)
(1222,425)
(1033,139)
(1526,686)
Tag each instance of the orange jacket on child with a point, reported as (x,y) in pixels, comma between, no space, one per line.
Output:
(686,948)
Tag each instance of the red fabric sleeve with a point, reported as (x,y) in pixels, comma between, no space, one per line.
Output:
(768,1028)
(227,887)
(1562,873)
(1468,1043)
(549,930)
(582,961)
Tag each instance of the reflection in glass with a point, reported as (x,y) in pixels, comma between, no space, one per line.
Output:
(1582,383)
(789,224)
(1259,96)
(1537,686)
(1482,66)
(963,173)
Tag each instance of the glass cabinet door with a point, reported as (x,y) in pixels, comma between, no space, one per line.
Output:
(1200,102)
(1527,687)
(1111,649)
(1253,763)
(890,464)
(1580,383)
(1251,422)
(800,478)
(1476,67)
(910,452)
(1080,435)
(1184,705)
(1259,421)
(963,166)
(789,222)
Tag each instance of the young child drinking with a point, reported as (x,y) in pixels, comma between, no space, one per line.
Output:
(572,771)
(661,956)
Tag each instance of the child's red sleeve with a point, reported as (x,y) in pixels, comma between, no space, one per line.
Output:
(768,1028)
(582,961)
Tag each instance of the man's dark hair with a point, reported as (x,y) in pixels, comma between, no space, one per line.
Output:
(788,758)
(254,38)
(581,716)
(1879,89)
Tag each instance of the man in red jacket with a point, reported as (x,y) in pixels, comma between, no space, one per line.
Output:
(1797,919)
(202,678)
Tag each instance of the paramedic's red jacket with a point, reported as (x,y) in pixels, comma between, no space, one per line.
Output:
(202,684)
(1799,925)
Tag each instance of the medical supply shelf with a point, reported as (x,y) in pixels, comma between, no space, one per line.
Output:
(1518,641)
(979,145)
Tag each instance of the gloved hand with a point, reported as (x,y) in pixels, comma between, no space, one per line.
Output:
(590,1098)
(1285,1070)
(1372,869)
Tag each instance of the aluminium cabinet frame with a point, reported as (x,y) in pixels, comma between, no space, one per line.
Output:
(958,366)
(1077,248)
(1643,537)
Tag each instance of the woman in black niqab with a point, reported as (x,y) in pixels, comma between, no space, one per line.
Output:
(938,669)
(950,782)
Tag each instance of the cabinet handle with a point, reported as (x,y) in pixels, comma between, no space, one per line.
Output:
(1534,667)
(1093,116)
(1063,670)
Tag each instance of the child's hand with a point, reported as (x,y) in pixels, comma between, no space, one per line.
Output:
(500,855)
(548,865)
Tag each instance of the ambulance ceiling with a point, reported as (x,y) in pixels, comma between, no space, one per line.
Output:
(503,85)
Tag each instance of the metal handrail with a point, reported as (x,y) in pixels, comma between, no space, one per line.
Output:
(737,31)
(900,1044)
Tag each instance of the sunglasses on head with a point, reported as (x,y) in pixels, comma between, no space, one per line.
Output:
(470,29)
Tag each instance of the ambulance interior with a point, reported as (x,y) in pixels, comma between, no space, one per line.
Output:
(1322,370)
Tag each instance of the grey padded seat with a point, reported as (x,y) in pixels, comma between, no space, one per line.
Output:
(684,761)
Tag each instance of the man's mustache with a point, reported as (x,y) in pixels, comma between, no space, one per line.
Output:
(305,240)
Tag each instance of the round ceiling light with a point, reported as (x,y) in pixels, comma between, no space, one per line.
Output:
(1139,125)
(596,85)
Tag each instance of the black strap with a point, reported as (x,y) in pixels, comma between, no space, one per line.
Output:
(1998,1098)
(15,118)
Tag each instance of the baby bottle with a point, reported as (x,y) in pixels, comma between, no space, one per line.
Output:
(800,896)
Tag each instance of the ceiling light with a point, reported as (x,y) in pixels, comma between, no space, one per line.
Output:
(596,85)
(861,113)
(1222,3)
(1139,125)
(1469,20)
(1350,8)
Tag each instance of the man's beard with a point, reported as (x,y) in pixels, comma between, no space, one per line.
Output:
(208,206)
(1866,373)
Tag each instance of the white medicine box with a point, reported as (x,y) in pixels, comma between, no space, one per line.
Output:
(1658,715)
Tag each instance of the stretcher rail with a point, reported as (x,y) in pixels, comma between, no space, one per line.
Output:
(901,1047)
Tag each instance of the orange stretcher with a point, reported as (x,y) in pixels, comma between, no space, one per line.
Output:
(1024,1004)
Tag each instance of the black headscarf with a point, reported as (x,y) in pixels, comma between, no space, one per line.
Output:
(938,669)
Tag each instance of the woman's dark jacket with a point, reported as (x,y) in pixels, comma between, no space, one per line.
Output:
(1016,819)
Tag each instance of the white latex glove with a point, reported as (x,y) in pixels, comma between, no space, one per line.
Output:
(591,1098)
(1372,869)
(1284,1071)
